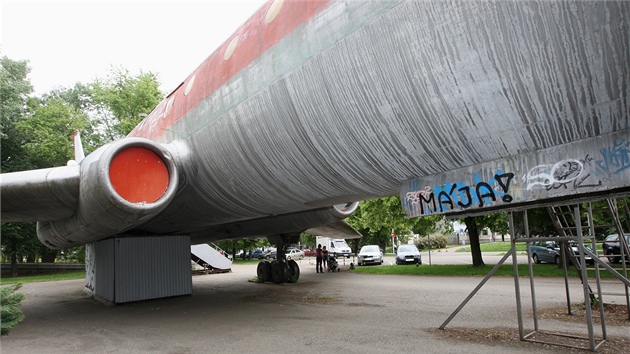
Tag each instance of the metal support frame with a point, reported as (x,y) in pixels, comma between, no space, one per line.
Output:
(580,263)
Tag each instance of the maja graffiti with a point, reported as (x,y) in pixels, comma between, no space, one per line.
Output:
(452,196)
(603,167)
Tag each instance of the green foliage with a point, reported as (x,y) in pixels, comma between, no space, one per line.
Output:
(10,312)
(81,98)
(497,222)
(375,219)
(603,216)
(128,98)
(308,239)
(434,241)
(14,91)
(47,132)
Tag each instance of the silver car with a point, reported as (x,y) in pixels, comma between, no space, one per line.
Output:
(408,254)
(370,254)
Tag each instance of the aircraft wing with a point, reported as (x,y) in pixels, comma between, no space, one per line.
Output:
(339,229)
(46,194)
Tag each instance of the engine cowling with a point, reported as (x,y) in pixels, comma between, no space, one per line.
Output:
(122,185)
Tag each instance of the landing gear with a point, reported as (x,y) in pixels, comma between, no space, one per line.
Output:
(281,270)
(278,271)
(264,271)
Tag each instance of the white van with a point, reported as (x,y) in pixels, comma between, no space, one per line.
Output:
(335,246)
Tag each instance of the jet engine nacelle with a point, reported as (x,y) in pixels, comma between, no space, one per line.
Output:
(121,185)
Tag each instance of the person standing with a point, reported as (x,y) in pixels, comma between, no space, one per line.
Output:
(318,259)
(325,258)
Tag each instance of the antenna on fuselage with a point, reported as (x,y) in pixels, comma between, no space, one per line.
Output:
(79,154)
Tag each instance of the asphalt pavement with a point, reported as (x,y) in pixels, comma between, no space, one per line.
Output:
(340,312)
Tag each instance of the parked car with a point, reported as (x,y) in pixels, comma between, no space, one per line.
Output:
(269,254)
(257,253)
(408,254)
(549,252)
(294,253)
(309,253)
(370,254)
(612,250)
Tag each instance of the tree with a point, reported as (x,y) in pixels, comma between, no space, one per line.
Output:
(18,239)
(475,247)
(14,91)
(10,312)
(81,98)
(47,132)
(127,99)
(308,239)
(375,219)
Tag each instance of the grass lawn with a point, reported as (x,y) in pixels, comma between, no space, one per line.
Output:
(504,247)
(75,274)
(540,270)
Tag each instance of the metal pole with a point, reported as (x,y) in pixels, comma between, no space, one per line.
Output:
(591,225)
(470,296)
(517,288)
(587,298)
(429,241)
(531,272)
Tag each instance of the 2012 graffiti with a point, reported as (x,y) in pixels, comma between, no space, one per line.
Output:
(457,195)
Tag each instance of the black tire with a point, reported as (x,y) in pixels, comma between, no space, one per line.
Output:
(280,272)
(612,259)
(536,260)
(264,271)
(294,269)
(556,259)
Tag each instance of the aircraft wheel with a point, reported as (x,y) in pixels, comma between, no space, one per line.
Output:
(264,271)
(294,270)
(280,272)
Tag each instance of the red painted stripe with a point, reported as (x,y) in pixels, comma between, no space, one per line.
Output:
(255,37)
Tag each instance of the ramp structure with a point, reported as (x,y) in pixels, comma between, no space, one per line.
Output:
(209,256)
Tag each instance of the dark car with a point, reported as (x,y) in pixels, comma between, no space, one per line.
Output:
(545,251)
(408,254)
(612,250)
(549,252)
(256,254)
(269,254)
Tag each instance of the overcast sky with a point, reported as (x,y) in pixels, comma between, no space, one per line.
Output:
(78,41)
